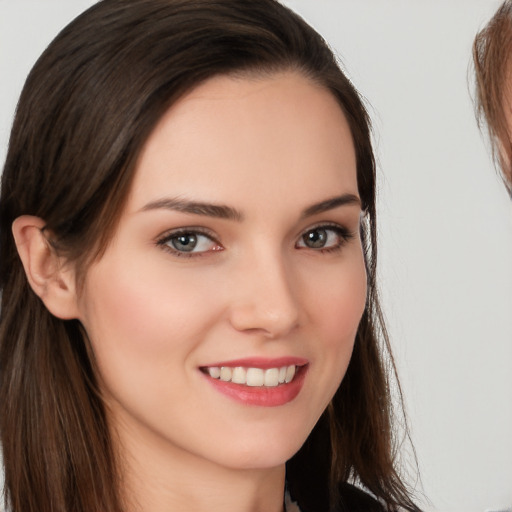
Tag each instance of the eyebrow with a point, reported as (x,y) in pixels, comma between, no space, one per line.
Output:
(197,208)
(227,212)
(330,204)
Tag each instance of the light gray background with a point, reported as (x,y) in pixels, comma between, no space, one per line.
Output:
(445,221)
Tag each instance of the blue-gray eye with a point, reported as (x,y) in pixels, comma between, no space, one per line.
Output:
(189,242)
(316,238)
(324,237)
(186,242)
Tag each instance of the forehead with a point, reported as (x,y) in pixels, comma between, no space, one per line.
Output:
(263,134)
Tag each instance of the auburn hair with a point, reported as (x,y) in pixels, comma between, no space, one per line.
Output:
(86,110)
(492,51)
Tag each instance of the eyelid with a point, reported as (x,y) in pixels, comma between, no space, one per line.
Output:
(343,232)
(163,239)
(328,225)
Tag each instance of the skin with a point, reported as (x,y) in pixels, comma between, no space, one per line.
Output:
(269,148)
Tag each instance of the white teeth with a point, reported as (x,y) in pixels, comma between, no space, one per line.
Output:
(272,377)
(226,373)
(239,375)
(214,372)
(290,373)
(253,377)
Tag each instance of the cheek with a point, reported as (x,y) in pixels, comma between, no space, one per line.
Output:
(142,306)
(119,320)
(335,300)
(143,325)
(338,310)
(340,303)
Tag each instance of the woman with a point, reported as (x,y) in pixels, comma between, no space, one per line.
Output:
(189,310)
(492,49)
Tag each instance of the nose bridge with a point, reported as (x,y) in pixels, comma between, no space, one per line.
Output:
(266,298)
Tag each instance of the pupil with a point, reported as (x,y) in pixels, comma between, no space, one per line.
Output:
(316,238)
(185,242)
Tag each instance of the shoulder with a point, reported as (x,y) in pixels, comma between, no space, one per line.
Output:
(353,499)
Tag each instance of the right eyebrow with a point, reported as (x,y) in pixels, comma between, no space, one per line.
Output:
(331,204)
(196,208)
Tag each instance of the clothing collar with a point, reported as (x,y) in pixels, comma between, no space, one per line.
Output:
(289,505)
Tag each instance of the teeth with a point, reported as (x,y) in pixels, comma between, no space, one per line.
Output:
(272,377)
(226,373)
(239,375)
(214,372)
(253,377)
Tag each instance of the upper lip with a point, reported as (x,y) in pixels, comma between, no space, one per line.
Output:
(261,362)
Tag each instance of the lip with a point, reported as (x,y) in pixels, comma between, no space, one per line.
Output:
(261,396)
(261,362)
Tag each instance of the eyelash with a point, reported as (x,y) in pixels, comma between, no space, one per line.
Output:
(343,233)
(166,239)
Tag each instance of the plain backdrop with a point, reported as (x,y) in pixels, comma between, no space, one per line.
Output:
(445,227)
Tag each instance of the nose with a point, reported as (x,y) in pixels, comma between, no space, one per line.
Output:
(266,299)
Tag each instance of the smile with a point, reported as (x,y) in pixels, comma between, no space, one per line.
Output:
(267,383)
(253,377)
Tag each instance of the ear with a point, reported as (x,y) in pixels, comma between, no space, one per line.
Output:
(49,275)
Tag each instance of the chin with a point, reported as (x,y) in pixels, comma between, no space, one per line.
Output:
(262,452)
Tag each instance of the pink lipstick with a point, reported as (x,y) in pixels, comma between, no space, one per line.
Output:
(258,381)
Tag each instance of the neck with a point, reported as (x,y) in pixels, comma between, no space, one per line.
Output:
(167,479)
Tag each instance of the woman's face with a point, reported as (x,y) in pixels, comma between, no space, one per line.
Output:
(236,265)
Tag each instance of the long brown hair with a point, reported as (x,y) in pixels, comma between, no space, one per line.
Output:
(492,52)
(87,108)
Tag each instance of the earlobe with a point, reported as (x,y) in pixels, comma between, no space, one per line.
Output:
(47,273)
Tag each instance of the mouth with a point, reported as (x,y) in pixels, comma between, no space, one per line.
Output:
(252,376)
(258,382)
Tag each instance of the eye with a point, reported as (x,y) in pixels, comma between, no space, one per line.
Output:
(324,238)
(188,243)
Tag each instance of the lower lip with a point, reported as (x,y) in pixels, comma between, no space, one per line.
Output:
(261,396)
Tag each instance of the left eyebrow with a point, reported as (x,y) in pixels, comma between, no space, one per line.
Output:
(330,204)
(196,208)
